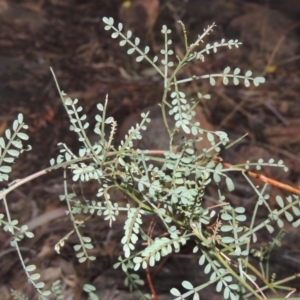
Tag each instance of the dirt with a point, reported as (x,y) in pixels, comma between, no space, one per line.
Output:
(69,36)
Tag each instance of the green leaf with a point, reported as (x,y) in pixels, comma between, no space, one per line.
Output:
(213,276)
(46,293)
(68,101)
(226,292)
(196,296)
(88,246)
(228,278)
(5,169)
(237,71)
(13,152)
(20,118)
(207,268)
(30,268)
(17,144)
(114,35)
(139,58)
(254,237)
(77,247)
(248,73)
(100,107)
(296,223)
(226,228)
(270,228)
(29,234)
(130,51)
(15,125)
(2,143)
(80,254)
(258,80)
(219,286)
(296,211)
(186,129)
(226,217)
(225,80)
(187,285)
(289,216)
(240,210)
(210,137)
(175,292)
(108,21)
(8,134)
(9,160)
(280,223)
(86,239)
(227,239)
(82,259)
(230,184)
(137,41)
(109,120)
(241,218)
(83,117)
(216,177)
(35,276)
(236,81)
(122,43)
(226,70)
(40,285)
(146,50)
(212,81)
(279,201)
(202,260)
(88,288)
(246,82)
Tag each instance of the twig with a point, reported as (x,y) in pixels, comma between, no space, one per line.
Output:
(263,178)
(149,279)
(150,283)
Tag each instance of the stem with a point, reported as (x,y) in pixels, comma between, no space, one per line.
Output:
(197,231)
(18,250)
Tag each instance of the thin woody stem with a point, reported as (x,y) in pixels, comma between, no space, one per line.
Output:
(260,177)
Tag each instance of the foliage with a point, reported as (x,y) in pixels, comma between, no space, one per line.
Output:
(170,187)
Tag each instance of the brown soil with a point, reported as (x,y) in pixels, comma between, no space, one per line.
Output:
(69,36)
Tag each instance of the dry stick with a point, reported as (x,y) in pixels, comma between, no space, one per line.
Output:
(18,182)
(149,279)
(161,264)
(150,283)
(263,178)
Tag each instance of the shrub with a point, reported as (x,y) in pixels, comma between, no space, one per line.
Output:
(168,184)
